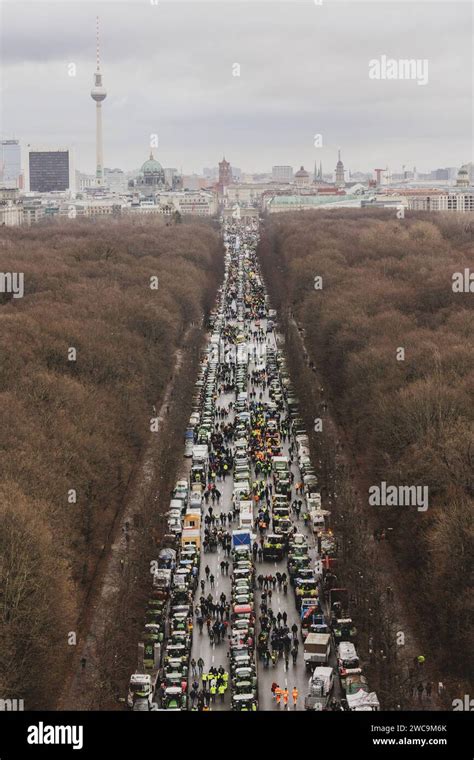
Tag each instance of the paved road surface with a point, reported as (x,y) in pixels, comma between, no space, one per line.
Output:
(217,654)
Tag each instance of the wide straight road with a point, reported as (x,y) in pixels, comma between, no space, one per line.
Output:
(217,654)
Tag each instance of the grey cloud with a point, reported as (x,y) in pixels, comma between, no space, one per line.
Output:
(167,68)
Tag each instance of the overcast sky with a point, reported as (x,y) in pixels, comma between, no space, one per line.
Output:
(304,69)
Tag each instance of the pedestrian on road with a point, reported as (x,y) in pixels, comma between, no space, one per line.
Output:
(211,579)
(285,696)
(420,689)
(213,689)
(200,664)
(278,692)
(207,570)
(294,694)
(294,654)
(194,667)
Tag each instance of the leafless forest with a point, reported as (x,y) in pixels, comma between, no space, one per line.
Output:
(73,428)
(73,425)
(387,284)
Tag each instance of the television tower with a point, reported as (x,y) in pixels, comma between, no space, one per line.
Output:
(98,93)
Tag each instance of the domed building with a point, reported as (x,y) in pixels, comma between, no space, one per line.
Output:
(463,177)
(151,176)
(302,177)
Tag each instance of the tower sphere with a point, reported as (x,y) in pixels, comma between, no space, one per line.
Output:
(98,94)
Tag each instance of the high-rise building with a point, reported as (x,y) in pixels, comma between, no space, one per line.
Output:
(340,181)
(171,176)
(283,174)
(440,174)
(116,181)
(10,162)
(210,172)
(98,93)
(84,181)
(49,170)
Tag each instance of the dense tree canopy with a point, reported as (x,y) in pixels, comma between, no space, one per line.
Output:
(80,424)
(387,284)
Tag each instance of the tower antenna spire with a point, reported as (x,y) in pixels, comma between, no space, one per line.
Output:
(97,43)
(98,94)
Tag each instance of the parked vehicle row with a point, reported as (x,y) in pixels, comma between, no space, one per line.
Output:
(260,445)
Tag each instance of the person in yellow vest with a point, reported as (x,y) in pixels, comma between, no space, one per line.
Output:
(294,694)
(221,690)
(213,688)
(285,696)
(205,677)
(225,676)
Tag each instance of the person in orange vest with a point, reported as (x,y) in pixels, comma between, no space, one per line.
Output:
(285,696)
(294,694)
(278,692)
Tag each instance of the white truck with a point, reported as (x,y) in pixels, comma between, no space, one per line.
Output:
(317,647)
(320,687)
(201,454)
(246,515)
(141,687)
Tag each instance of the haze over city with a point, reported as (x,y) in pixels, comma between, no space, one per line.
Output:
(168,69)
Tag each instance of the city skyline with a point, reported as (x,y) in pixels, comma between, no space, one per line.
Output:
(186,92)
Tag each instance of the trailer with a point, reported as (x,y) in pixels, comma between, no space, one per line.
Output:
(363,702)
(241,540)
(246,515)
(317,648)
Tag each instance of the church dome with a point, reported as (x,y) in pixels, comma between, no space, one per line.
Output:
(151,166)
